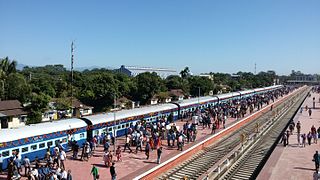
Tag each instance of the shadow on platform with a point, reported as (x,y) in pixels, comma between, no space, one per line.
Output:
(150,162)
(302,168)
(100,165)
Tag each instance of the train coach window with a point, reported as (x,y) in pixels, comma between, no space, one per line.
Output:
(123,126)
(127,125)
(119,127)
(81,135)
(42,145)
(56,142)
(33,147)
(110,129)
(25,149)
(5,153)
(64,140)
(49,144)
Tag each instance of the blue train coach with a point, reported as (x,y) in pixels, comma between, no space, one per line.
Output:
(34,140)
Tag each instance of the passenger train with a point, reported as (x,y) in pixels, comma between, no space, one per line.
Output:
(33,140)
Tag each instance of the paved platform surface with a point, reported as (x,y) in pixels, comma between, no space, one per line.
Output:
(294,162)
(132,164)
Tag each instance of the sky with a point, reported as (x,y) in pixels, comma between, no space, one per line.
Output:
(205,35)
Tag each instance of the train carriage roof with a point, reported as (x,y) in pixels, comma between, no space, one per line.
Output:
(7,135)
(200,100)
(228,95)
(109,117)
(247,92)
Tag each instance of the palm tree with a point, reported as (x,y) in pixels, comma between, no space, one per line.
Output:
(7,67)
(185,72)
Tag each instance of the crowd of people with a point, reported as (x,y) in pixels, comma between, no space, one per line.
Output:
(51,168)
(143,136)
(309,137)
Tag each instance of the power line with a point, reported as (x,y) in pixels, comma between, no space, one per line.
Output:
(255,68)
(72,59)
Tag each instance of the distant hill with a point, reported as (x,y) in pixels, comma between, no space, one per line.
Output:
(21,66)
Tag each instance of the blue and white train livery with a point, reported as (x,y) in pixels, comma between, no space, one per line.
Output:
(34,140)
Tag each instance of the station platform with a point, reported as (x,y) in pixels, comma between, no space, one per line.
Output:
(295,162)
(133,164)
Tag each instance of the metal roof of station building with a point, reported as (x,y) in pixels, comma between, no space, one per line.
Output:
(7,135)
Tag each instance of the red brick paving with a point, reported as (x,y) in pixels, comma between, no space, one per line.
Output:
(294,162)
(156,171)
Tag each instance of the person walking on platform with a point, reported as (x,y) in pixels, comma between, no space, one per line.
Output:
(213,130)
(147,149)
(127,145)
(309,137)
(288,135)
(303,136)
(27,165)
(284,139)
(316,159)
(180,142)
(94,172)
(159,152)
(291,127)
(314,103)
(314,134)
(298,127)
(118,154)
(113,172)
(310,112)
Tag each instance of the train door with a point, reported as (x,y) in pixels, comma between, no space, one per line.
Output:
(89,134)
(89,130)
(4,122)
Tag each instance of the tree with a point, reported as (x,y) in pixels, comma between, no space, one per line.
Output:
(7,67)
(99,90)
(176,82)
(148,84)
(185,73)
(203,83)
(43,85)
(17,88)
(38,105)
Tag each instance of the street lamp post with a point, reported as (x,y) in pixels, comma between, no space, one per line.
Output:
(199,100)
(198,95)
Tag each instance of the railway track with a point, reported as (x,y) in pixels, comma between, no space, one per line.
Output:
(198,164)
(252,161)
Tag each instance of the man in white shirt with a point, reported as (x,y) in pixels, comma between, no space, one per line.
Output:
(26,164)
(62,158)
(35,173)
(64,174)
